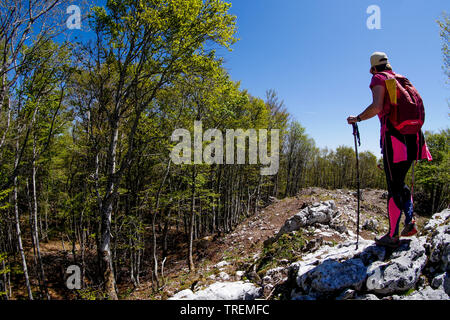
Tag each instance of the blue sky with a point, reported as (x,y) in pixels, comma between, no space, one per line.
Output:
(315,54)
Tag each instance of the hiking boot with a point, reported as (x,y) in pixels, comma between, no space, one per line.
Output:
(409,230)
(387,241)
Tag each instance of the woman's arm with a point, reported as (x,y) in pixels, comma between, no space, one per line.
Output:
(375,108)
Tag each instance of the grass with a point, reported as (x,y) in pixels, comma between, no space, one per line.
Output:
(92,294)
(289,246)
(409,292)
(323,197)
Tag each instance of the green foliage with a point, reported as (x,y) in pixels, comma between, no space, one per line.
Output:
(91,294)
(298,148)
(4,269)
(432,177)
(4,205)
(336,169)
(444,25)
(3,258)
(289,246)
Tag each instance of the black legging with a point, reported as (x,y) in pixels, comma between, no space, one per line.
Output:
(398,191)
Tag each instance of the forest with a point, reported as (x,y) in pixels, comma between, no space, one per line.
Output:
(85,142)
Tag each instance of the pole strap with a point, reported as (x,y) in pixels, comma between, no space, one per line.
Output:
(356,133)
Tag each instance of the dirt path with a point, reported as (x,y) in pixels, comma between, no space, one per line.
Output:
(241,248)
(220,258)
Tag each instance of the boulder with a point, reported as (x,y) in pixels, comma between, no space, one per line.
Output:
(372,253)
(338,226)
(401,272)
(420,265)
(224,276)
(238,290)
(368,296)
(186,294)
(343,251)
(440,248)
(370,225)
(319,212)
(427,293)
(313,244)
(441,281)
(347,295)
(332,276)
(436,220)
(333,270)
(221,264)
(446,285)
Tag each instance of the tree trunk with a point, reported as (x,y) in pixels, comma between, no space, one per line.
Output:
(19,240)
(191,223)
(82,248)
(105,251)
(35,224)
(165,234)
(5,281)
(155,252)
(106,212)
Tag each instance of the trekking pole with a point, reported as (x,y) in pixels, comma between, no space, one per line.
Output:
(357,141)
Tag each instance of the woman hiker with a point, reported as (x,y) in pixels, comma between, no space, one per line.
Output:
(399,149)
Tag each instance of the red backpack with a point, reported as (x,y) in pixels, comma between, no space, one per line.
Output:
(407,113)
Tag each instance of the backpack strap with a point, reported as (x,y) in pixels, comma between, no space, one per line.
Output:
(387,74)
(391,86)
(385,123)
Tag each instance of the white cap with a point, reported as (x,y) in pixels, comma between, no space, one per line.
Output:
(378,58)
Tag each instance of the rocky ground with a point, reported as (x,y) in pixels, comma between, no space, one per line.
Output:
(304,248)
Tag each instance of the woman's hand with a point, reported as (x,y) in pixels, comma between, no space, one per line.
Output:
(352,119)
